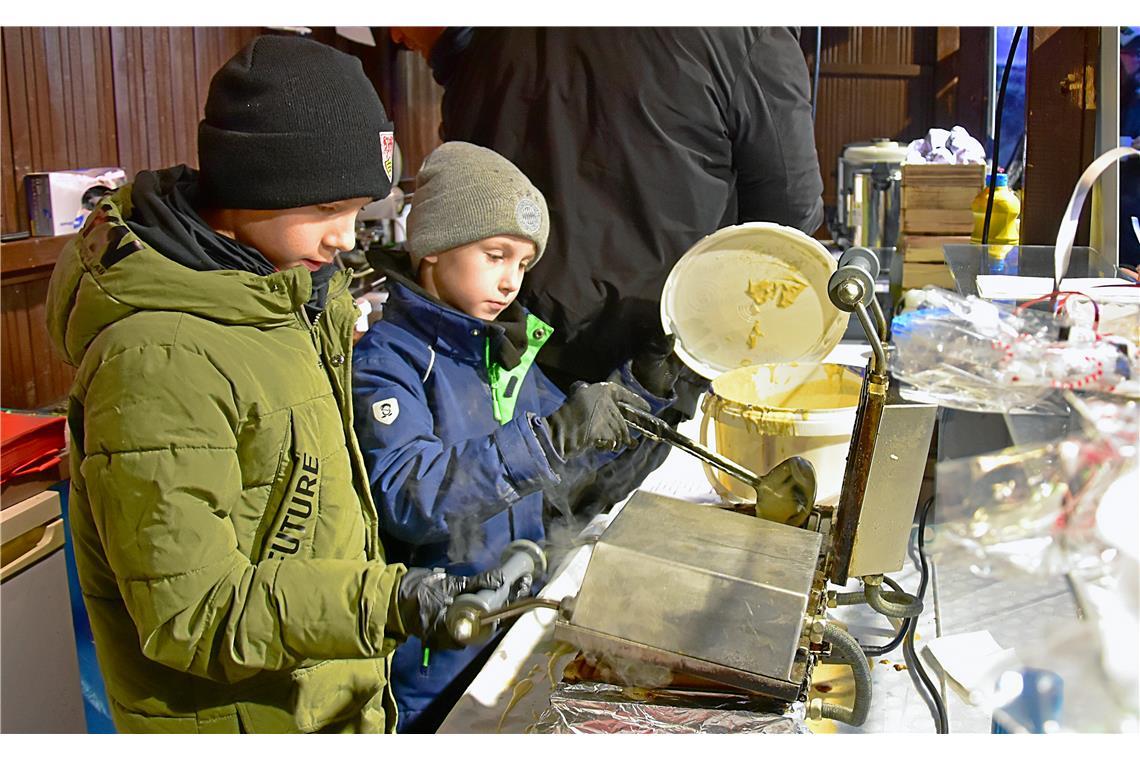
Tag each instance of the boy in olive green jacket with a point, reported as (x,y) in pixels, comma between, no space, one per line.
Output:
(224,532)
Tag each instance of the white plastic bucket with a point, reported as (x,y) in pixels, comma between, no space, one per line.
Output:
(767,413)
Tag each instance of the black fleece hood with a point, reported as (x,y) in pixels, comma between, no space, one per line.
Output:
(165,215)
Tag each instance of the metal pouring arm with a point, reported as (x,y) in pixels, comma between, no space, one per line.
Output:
(852,289)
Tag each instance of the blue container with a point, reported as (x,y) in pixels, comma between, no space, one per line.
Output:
(1038,704)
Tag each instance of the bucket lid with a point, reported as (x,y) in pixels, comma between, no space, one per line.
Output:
(875,151)
(753,293)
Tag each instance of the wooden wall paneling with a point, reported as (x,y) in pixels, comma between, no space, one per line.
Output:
(26,135)
(10,371)
(961,75)
(43,360)
(130,113)
(874,82)
(148,82)
(19,376)
(417,110)
(205,54)
(55,80)
(46,100)
(89,119)
(1061,67)
(155,83)
(184,107)
(34,376)
(10,208)
(19,121)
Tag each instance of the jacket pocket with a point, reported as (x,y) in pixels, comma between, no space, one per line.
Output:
(340,691)
(295,494)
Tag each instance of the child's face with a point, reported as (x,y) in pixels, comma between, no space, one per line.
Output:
(309,236)
(481,278)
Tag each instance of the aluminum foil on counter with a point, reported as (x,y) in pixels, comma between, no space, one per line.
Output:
(600,708)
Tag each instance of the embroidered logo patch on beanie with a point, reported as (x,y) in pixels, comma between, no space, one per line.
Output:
(387,149)
(528,215)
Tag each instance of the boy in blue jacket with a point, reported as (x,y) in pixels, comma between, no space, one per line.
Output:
(461,431)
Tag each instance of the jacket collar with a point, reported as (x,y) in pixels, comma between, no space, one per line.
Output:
(108,273)
(447,330)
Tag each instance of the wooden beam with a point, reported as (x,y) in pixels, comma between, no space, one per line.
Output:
(30,254)
(899,70)
(1060,127)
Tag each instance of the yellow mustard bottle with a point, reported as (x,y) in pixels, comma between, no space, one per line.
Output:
(1005,224)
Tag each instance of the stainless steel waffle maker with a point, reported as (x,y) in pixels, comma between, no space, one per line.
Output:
(741,602)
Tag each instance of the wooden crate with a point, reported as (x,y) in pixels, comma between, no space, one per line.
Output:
(923,262)
(935,211)
(936,198)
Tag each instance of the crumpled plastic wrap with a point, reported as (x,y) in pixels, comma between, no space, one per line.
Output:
(967,353)
(1033,508)
(941,146)
(1054,514)
(600,708)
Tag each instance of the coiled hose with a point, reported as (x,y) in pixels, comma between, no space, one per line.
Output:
(895,604)
(846,649)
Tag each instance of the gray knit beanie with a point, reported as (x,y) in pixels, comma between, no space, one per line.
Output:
(466,193)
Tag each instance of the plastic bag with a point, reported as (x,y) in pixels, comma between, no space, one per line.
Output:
(967,353)
(1034,508)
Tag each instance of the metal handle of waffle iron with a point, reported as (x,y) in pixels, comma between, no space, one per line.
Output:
(474,617)
(866,259)
(851,288)
(658,430)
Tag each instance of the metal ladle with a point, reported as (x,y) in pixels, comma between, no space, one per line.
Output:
(799,470)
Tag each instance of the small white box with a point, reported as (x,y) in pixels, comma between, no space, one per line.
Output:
(59,202)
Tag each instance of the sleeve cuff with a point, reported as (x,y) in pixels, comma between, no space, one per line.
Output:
(391,576)
(657,404)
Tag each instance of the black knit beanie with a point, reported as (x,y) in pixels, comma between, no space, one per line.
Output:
(291,122)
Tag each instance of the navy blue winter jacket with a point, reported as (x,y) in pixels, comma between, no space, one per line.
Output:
(453,486)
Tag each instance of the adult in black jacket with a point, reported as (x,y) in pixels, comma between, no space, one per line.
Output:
(643,141)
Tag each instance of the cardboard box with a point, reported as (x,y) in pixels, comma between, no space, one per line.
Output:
(59,202)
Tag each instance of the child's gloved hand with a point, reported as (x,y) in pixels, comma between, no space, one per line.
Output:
(657,367)
(590,418)
(425,596)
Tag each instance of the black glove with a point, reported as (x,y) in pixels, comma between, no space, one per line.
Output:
(591,418)
(425,595)
(657,367)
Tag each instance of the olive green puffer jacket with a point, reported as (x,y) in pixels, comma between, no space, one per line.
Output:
(224,532)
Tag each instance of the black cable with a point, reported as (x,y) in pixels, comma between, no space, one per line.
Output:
(882,649)
(815,74)
(912,624)
(997,132)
